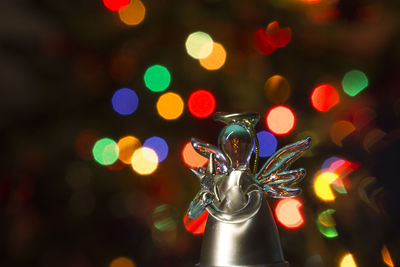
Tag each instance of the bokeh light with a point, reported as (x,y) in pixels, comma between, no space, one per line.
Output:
(267,142)
(127,145)
(324,97)
(216,59)
(261,42)
(84,143)
(354,82)
(201,103)
(170,106)
(371,138)
(125,101)
(387,259)
(157,78)
(115,5)
(132,14)
(278,37)
(105,151)
(277,89)
(348,261)
(144,161)
(199,45)
(340,130)
(196,226)
(159,145)
(322,185)
(288,213)
(122,262)
(191,157)
(280,120)
(164,218)
(326,224)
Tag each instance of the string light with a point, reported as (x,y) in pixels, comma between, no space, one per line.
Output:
(288,213)
(157,78)
(199,45)
(159,145)
(133,14)
(170,106)
(216,59)
(105,151)
(125,101)
(324,97)
(280,120)
(201,103)
(354,82)
(144,161)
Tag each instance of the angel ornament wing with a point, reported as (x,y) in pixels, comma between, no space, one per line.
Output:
(240,230)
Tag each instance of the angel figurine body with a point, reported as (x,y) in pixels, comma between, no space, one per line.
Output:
(240,229)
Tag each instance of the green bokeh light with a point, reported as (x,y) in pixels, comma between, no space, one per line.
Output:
(164,218)
(354,82)
(105,151)
(157,78)
(326,224)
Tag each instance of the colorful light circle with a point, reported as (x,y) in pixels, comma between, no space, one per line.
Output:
(261,42)
(288,213)
(324,97)
(191,157)
(216,59)
(280,120)
(125,101)
(122,262)
(144,161)
(322,186)
(340,130)
(267,142)
(159,145)
(157,78)
(348,261)
(201,103)
(133,14)
(354,82)
(127,145)
(105,151)
(115,5)
(164,218)
(170,106)
(199,45)
(277,89)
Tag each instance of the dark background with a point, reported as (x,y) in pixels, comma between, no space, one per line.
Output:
(57,77)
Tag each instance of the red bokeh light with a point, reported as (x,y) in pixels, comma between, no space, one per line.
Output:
(262,44)
(196,226)
(201,103)
(288,213)
(278,37)
(115,5)
(324,97)
(280,120)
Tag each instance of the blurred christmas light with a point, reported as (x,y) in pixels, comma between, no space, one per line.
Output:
(278,37)
(327,231)
(280,120)
(371,138)
(387,259)
(115,5)
(144,161)
(85,142)
(267,142)
(196,226)
(157,78)
(159,145)
(127,145)
(348,261)
(133,13)
(354,82)
(288,213)
(322,186)
(201,103)
(277,89)
(326,224)
(125,101)
(324,97)
(199,45)
(216,59)
(164,218)
(105,151)
(340,130)
(170,106)
(122,262)
(261,42)
(191,157)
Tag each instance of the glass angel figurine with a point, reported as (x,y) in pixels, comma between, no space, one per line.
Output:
(240,230)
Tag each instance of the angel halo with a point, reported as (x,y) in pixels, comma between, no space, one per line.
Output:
(241,230)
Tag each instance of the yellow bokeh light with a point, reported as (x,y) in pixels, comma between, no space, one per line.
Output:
(121,262)
(144,161)
(199,45)
(170,106)
(216,59)
(133,14)
(322,186)
(387,259)
(127,145)
(348,261)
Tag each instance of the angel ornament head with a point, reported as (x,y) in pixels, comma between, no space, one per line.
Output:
(240,230)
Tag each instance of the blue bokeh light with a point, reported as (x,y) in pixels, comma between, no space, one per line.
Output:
(159,145)
(268,143)
(125,101)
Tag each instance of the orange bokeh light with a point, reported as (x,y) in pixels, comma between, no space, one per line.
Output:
(191,157)
(280,120)
(324,97)
(288,213)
